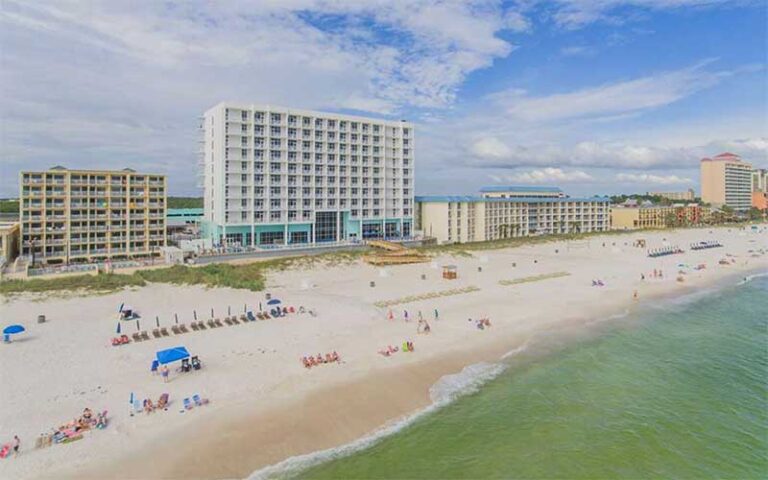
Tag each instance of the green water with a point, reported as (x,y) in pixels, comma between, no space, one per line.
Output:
(673,391)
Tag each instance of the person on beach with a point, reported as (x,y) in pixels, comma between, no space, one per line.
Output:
(642,277)
(165,372)
(16,445)
(437,315)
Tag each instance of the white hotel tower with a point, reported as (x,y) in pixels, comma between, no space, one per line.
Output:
(279,176)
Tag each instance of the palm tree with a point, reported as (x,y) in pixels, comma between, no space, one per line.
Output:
(576,227)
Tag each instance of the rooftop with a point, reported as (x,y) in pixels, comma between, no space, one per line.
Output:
(476,198)
(519,189)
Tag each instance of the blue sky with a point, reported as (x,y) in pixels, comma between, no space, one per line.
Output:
(596,96)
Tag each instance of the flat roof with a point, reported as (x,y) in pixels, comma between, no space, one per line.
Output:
(476,198)
(519,188)
(310,113)
(124,171)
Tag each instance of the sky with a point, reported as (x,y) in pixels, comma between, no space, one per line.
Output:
(594,96)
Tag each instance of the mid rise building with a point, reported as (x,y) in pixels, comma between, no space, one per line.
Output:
(726,180)
(279,176)
(686,196)
(639,216)
(91,215)
(9,242)
(503,212)
(760,180)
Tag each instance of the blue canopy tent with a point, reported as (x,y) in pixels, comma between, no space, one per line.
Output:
(274,301)
(172,355)
(11,330)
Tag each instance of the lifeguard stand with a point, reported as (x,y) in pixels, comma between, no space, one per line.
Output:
(450,272)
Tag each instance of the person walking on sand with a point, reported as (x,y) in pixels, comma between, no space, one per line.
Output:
(164,372)
(437,315)
(16,445)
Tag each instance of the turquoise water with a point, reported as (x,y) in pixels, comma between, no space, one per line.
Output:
(675,390)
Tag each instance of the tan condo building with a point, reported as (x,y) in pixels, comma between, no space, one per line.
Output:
(506,212)
(726,180)
(686,196)
(91,215)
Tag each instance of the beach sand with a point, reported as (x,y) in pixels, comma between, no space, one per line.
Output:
(264,405)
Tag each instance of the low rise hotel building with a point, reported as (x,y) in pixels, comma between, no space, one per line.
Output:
(91,215)
(685,196)
(638,216)
(9,242)
(506,212)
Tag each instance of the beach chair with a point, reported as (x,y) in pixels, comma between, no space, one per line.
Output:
(228,321)
(201,325)
(164,332)
(251,316)
(156,333)
(162,402)
(144,335)
(175,330)
(199,401)
(243,318)
(188,404)
(136,337)
(194,326)
(183,328)
(218,322)
(234,320)
(211,324)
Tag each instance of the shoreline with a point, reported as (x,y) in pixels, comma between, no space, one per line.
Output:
(241,454)
(265,407)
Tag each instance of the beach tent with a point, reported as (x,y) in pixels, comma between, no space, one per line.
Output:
(274,301)
(11,330)
(172,355)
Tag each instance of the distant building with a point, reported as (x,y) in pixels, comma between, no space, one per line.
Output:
(632,216)
(503,212)
(686,196)
(278,176)
(9,242)
(91,215)
(760,180)
(760,200)
(726,180)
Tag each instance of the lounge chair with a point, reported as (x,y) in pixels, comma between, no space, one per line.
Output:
(228,321)
(199,401)
(201,325)
(164,332)
(194,326)
(162,402)
(251,316)
(188,404)
(218,322)
(243,318)
(235,320)
(211,324)
(144,335)
(175,330)
(183,328)
(156,333)
(136,337)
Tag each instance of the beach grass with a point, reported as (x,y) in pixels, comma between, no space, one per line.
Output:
(534,278)
(89,283)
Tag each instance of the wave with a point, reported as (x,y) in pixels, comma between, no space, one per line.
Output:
(446,390)
(749,278)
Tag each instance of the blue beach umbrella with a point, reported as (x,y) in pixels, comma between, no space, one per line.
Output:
(274,301)
(13,329)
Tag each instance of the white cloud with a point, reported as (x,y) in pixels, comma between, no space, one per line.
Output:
(647,179)
(574,14)
(83,78)
(629,96)
(492,152)
(544,175)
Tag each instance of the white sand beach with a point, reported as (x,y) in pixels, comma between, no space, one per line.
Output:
(264,405)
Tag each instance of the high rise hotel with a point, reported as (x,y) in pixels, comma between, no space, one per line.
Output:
(279,176)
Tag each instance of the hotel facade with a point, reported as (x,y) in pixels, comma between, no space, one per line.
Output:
(726,180)
(91,215)
(632,217)
(506,212)
(280,176)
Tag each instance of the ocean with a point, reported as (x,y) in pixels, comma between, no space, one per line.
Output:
(675,389)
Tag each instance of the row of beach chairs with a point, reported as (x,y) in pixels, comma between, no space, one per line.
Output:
(200,325)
